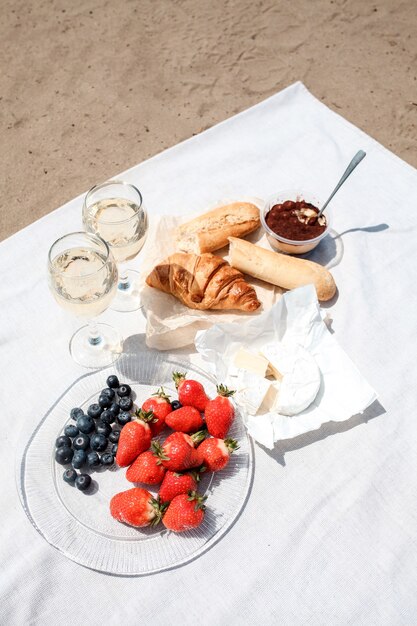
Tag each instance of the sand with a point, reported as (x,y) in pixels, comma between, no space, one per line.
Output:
(89,88)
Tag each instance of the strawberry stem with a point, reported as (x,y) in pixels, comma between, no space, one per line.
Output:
(178,377)
(158,451)
(222,390)
(159,509)
(145,416)
(231,445)
(199,436)
(199,500)
(196,473)
(161,394)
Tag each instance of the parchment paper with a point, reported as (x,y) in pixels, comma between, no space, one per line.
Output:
(170,324)
(297,319)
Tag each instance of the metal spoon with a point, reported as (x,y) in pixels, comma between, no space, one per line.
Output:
(354,162)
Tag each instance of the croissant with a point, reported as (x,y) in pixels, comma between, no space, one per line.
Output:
(203,282)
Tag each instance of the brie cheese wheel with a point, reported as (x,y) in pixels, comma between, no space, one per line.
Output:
(251,391)
(300,381)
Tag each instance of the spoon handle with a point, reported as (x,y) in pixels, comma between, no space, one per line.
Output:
(354,162)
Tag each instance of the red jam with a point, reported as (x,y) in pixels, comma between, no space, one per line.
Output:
(296,220)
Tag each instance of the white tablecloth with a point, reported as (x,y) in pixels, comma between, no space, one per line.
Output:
(328,535)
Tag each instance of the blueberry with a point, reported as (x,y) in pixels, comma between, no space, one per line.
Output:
(104,401)
(103,429)
(124,391)
(112,382)
(126,404)
(81,442)
(71,430)
(63,442)
(76,413)
(93,459)
(114,408)
(107,417)
(175,404)
(113,449)
(64,455)
(98,442)
(124,418)
(85,424)
(79,458)
(114,436)
(83,481)
(108,392)
(94,411)
(69,476)
(107,459)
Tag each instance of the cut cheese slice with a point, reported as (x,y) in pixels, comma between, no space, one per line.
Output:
(273,371)
(300,376)
(255,363)
(271,398)
(251,391)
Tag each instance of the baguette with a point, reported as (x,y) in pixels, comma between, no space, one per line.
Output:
(203,282)
(211,230)
(280,269)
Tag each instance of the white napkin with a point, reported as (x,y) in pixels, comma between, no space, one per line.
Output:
(296,318)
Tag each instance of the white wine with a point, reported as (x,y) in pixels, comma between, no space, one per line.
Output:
(121,223)
(83,281)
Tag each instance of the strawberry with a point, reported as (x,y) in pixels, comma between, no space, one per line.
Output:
(135,437)
(178,452)
(146,469)
(190,392)
(186,419)
(160,406)
(175,483)
(219,413)
(184,512)
(215,453)
(136,507)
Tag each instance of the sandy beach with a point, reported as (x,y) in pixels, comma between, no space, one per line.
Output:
(91,88)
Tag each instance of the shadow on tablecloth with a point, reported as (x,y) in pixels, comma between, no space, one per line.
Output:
(326,430)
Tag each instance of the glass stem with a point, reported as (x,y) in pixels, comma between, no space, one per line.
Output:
(94,337)
(124,282)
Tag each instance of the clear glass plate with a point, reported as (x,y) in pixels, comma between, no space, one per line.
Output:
(79,524)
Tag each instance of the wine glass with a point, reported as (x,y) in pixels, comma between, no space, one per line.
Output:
(82,276)
(114,210)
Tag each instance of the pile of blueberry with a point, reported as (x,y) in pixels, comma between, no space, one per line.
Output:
(96,432)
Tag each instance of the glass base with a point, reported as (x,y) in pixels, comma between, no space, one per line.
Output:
(127,296)
(105,351)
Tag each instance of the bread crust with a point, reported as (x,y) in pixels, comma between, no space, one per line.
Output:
(280,269)
(210,231)
(203,282)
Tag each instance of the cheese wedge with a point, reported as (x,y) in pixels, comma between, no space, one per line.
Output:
(250,362)
(251,391)
(270,400)
(301,377)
